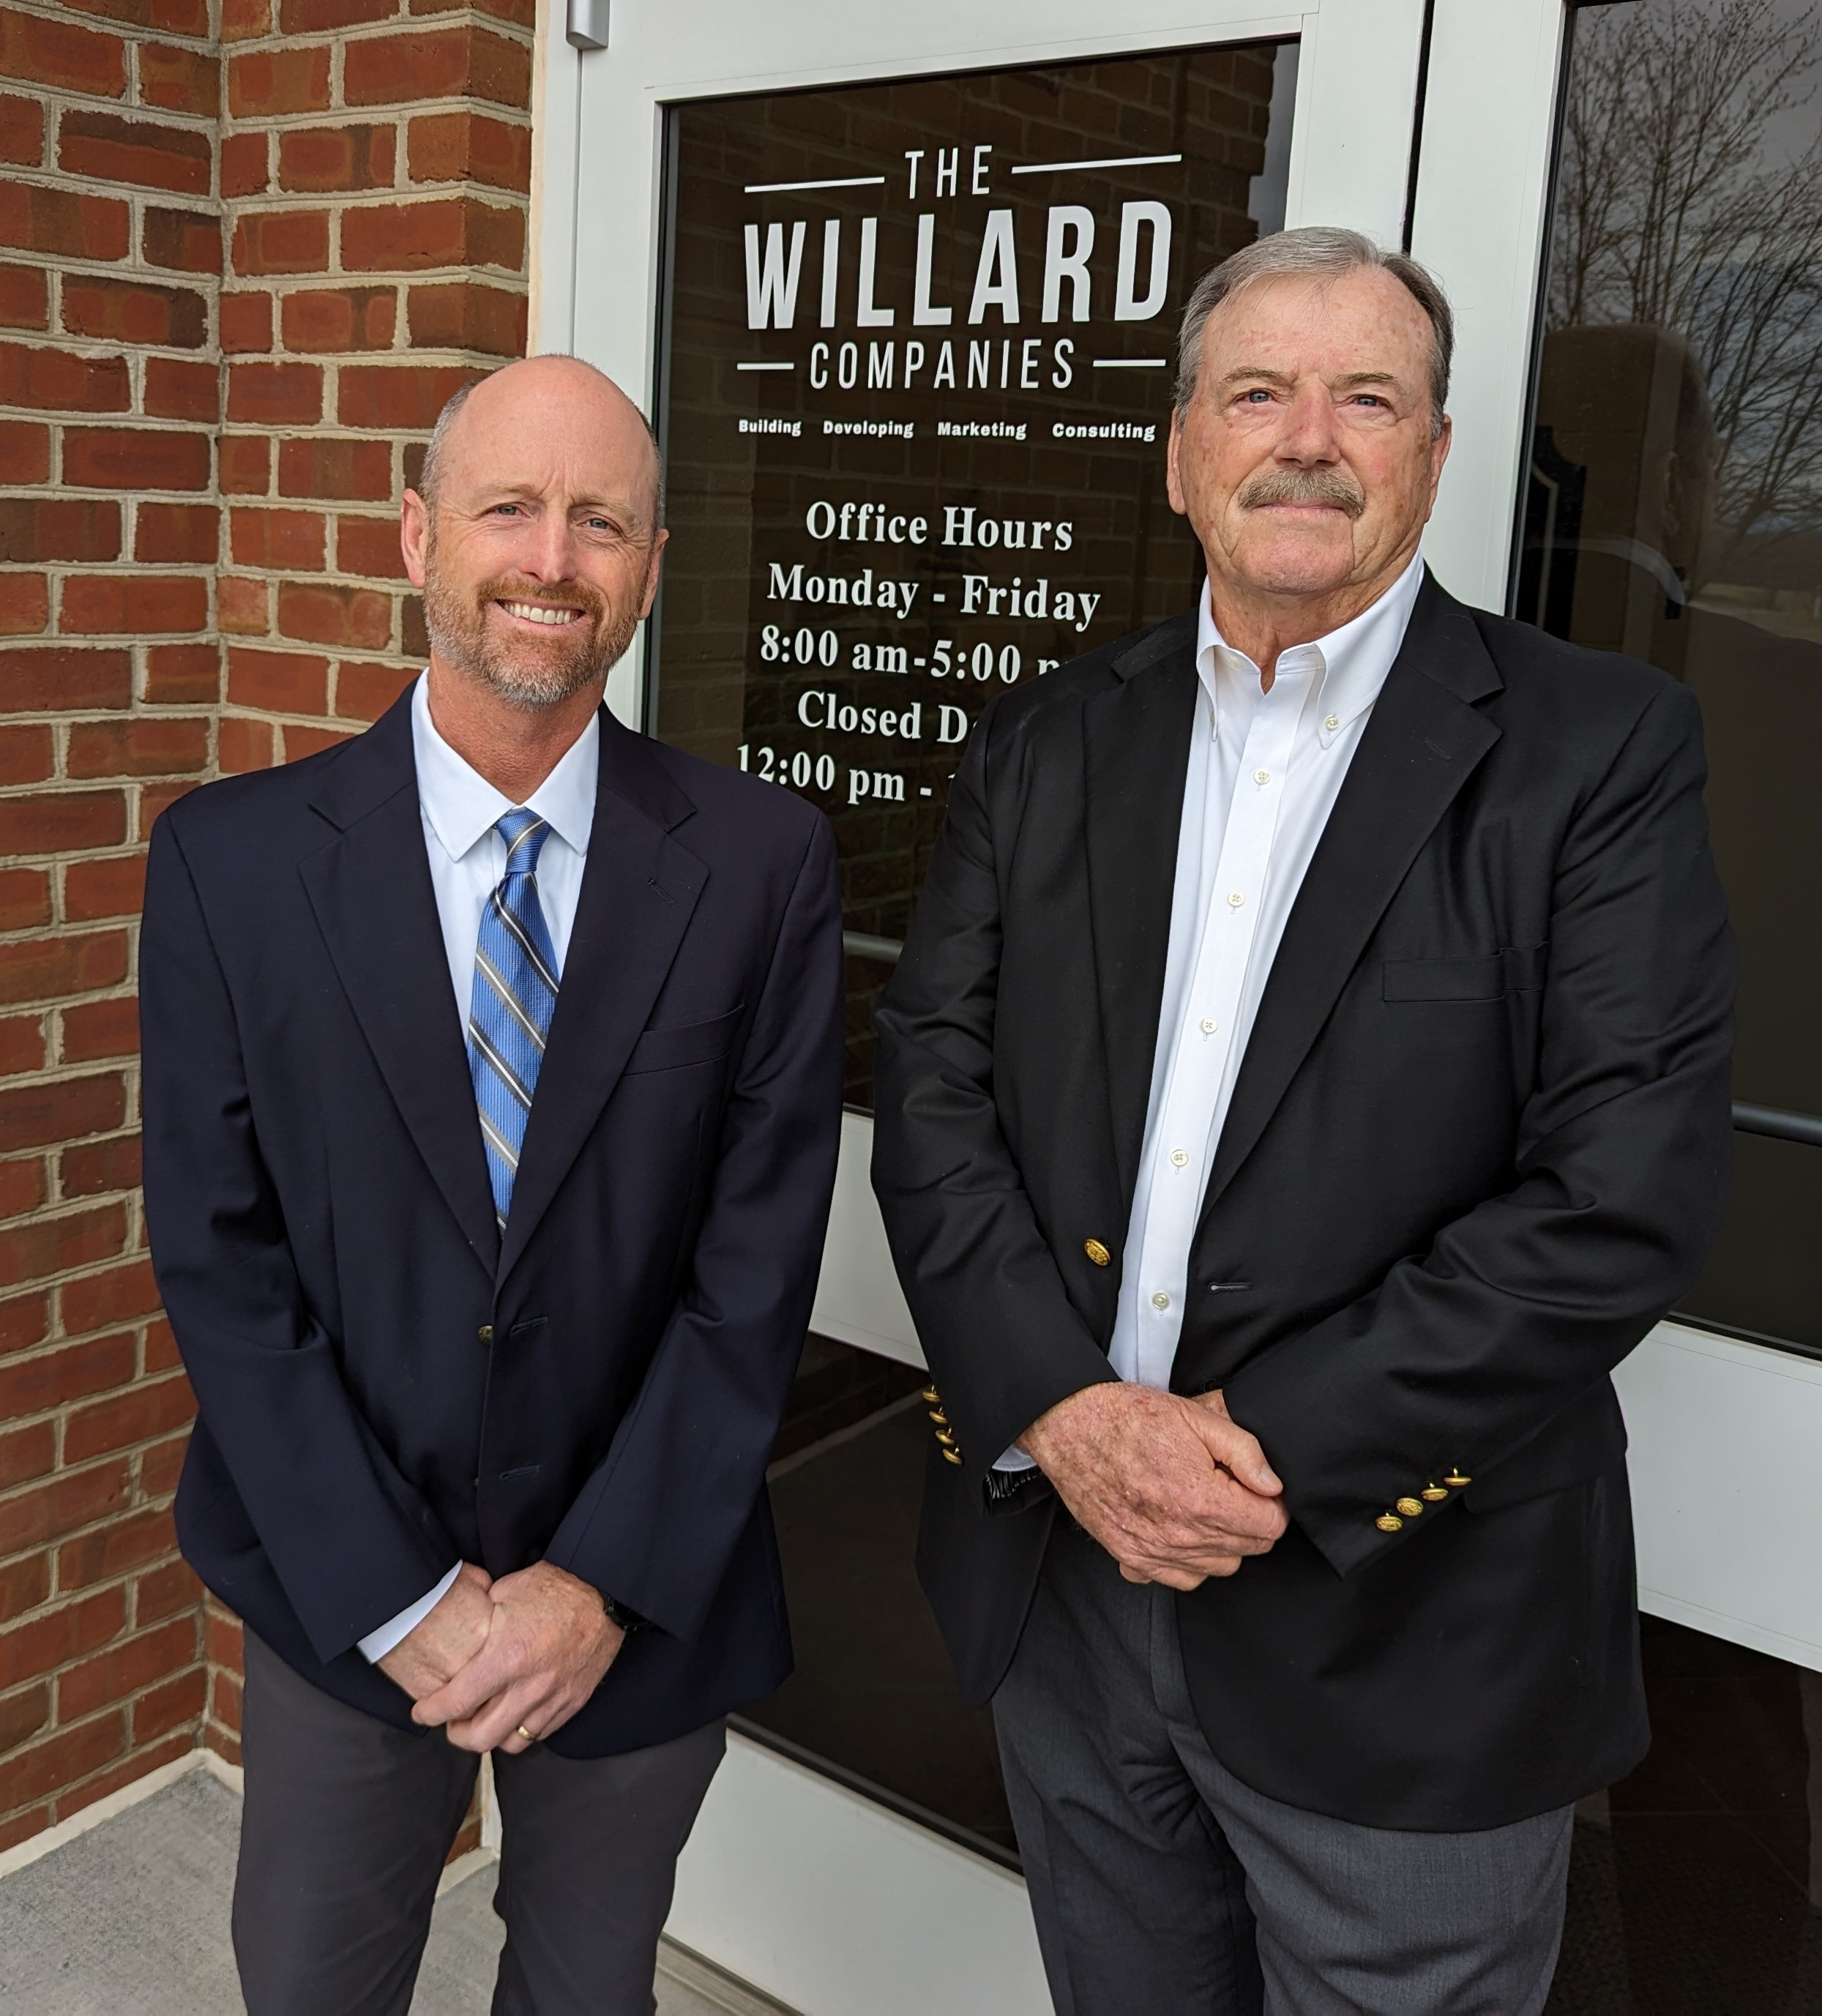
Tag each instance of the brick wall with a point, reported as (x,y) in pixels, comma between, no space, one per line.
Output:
(246,248)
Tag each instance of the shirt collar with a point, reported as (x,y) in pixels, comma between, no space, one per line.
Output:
(1351,664)
(463,807)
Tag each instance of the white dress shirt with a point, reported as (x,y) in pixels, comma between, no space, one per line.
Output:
(1265,770)
(467,858)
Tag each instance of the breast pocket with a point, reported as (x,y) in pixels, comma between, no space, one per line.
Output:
(670,1049)
(1517,969)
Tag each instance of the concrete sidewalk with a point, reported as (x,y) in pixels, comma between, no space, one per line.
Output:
(131,1918)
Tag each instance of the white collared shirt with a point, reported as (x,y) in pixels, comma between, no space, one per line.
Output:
(1265,770)
(467,857)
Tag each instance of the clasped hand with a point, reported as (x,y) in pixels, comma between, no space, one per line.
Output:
(1174,1489)
(495,1658)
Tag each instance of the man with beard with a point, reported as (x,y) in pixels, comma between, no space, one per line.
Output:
(492,1086)
(1305,1078)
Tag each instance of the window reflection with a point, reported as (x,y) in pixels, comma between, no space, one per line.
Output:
(1674,508)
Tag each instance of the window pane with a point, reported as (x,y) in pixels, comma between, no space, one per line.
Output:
(1674,503)
(919,347)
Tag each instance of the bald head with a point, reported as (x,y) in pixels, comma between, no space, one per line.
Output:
(564,394)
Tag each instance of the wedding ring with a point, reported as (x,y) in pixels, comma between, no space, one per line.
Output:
(524,1732)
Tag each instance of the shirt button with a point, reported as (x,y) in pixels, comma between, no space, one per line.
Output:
(1332,722)
(1262,776)
(1208,1025)
(1161,1301)
(1178,1157)
(1235,900)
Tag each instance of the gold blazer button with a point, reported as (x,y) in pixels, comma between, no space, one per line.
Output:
(1410,1507)
(1389,1522)
(1432,1494)
(1456,1481)
(952,1455)
(1097,1253)
(932,1396)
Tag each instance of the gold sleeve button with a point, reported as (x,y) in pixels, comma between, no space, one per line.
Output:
(1097,1253)
(1456,1482)
(952,1455)
(1432,1494)
(1410,1507)
(1389,1522)
(931,1397)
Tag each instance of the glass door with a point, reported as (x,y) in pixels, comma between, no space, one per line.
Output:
(901,290)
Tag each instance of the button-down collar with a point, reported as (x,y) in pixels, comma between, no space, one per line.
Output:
(1349,665)
(463,807)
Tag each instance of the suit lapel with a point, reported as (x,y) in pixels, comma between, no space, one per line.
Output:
(1137,755)
(638,891)
(370,889)
(1424,740)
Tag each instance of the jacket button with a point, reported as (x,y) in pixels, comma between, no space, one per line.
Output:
(1097,1253)
(485,1332)
(1456,1481)
(932,1397)
(952,1455)
(1432,1494)
(1410,1507)
(1389,1522)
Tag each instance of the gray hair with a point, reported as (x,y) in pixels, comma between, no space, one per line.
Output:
(430,475)
(1317,251)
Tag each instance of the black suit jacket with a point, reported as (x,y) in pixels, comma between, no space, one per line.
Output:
(1477,1147)
(387,1384)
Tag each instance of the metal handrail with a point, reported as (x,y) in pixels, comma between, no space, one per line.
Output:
(863,944)
(1780,1125)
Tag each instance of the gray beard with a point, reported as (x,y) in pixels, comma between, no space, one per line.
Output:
(529,681)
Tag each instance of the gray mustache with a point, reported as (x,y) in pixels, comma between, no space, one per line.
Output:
(1305,486)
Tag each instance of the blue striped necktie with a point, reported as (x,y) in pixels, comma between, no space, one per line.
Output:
(509,1011)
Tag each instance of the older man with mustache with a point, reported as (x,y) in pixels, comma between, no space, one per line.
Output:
(1305,1078)
(492,1086)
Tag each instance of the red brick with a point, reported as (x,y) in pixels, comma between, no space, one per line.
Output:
(458,63)
(186,241)
(68,1632)
(42,969)
(176,390)
(154,799)
(363,692)
(52,1510)
(179,80)
(25,451)
(151,1408)
(408,395)
(25,898)
(56,528)
(116,1295)
(243,745)
(61,821)
(24,1321)
(135,459)
(136,151)
(23,1188)
(246,20)
(22,130)
(320,613)
(264,83)
(439,231)
(460,315)
(243,608)
(113,1549)
(414,637)
(99,1029)
(22,1715)
(142,746)
(522,12)
(182,675)
(53,1379)
(468,146)
(22,1825)
(246,164)
(25,297)
(164,533)
(32,375)
(316,17)
(175,1703)
(162,1464)
(170,17)
(277,539)
(161,1353)
(277,682)
(275,395)
(98,1168)
(43,1769)
(339,319)
(164,1591)
(62,223)
(301,742)
(282,241)
(26,754)
(246,322)
(369,547)
(23,1586)
(317,158)
(325,466)
(144,1758)
(124,311)
(32,1116)
(60,56)
(25,610)
(246,465)
(131,605)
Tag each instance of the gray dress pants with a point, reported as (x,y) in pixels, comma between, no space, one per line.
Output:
(1162,1886)
(346,1826)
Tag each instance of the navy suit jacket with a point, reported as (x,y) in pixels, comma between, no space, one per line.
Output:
(387,1383)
